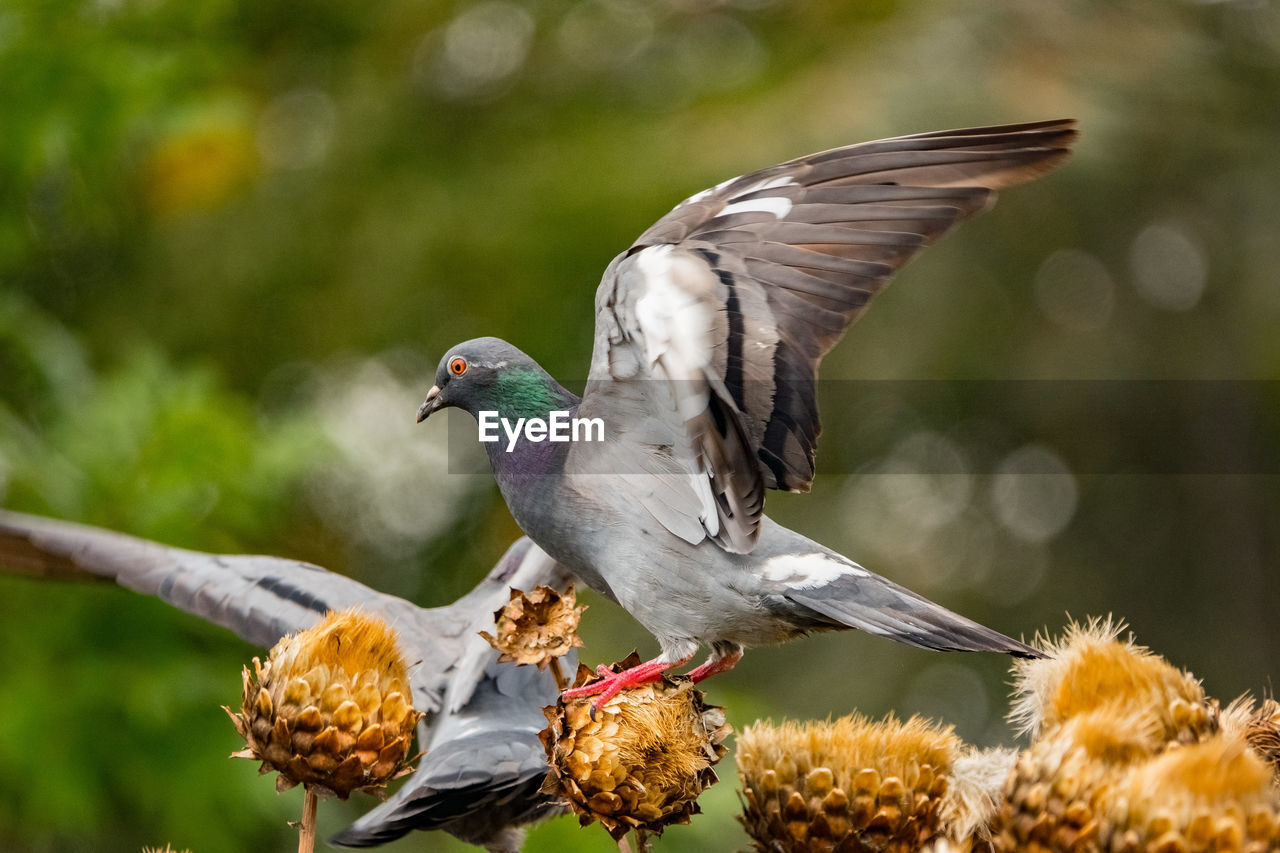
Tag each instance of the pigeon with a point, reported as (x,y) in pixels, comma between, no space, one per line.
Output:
(701,395)
(479,779)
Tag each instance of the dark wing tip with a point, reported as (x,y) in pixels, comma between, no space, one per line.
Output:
(1050,132)
(1036,148)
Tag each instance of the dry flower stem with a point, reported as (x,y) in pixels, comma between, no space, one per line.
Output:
(307,829)
(562,682)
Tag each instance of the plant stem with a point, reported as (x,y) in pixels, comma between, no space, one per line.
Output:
(307,829)
(562,683)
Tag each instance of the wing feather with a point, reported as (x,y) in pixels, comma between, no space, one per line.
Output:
(263,598)
(733,298)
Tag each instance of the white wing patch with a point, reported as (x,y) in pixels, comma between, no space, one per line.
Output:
(675,324)
(777,207)
(780,181)
(771,205)
(697,197)
(808,571)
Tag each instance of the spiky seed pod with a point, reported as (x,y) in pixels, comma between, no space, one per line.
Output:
(1090,667)
(1262,733)
(973,797)
(642,762)
(1059,787)
(331,707)
(848,785)
(536,627)
(1213,797)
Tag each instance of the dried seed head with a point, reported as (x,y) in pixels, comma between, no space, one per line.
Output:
(973,797)
(536,627)
(848,784)
(642,762)
(1216,795)
(1054,798)
(1132,756)
(1262,733)
(963,845)
(331,708)
(1089,668)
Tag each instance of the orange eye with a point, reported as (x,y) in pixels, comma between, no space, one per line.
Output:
(457,365)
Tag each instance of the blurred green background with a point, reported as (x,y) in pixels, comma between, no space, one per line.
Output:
(236,236)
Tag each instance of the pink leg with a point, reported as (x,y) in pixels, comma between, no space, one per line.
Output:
(613,683)
(715,665)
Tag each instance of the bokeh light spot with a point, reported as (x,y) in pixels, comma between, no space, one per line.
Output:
(1074,290)
(1169,267)
(1034,493)
(926,480)
(718,53)
(605,33)
(388,490)
(481,50)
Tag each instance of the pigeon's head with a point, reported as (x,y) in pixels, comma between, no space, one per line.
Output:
(484,373)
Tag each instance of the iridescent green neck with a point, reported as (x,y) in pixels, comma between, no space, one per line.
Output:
(522,392)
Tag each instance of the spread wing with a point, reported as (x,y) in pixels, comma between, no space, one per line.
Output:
(484,762)
(263,598)
(722,311)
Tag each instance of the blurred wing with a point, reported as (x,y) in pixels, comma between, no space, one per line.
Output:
(263,598)
(484,764)
(725,307)
(483,769)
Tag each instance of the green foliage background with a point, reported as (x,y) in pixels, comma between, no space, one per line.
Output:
(235,236)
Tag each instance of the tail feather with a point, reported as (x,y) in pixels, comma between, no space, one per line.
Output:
(880,606)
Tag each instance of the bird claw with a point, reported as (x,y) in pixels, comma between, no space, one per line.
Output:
(612,683)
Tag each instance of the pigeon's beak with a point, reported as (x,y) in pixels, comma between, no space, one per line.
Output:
(432,403)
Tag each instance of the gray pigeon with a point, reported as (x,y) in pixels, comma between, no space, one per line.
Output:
(484,763)
(702,394)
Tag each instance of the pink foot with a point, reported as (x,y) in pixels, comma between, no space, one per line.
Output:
(612,683)
(715,666)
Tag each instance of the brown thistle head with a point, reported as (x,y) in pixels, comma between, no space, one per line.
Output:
(1090,667)
(1216,795)
(848,784)
(642,761)
(536,627)
(331,707)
